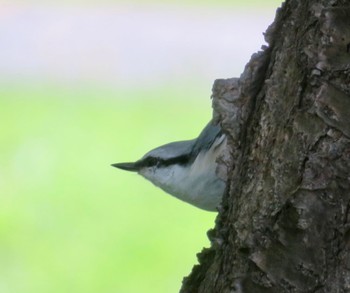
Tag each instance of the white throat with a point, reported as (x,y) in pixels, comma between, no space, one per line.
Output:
(196,183)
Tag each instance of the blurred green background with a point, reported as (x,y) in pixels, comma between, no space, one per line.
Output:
(68,221)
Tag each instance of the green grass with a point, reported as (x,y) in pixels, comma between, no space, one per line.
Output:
(71,223)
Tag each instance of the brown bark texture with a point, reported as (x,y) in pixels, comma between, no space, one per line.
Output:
(284,224)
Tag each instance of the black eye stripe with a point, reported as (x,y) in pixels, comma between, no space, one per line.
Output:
(153,161)
(150,161)
(181,160)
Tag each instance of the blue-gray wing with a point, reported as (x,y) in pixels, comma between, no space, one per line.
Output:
(207,137)
(172,150)
(187,148)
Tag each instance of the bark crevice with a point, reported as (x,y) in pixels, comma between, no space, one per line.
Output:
(284,222)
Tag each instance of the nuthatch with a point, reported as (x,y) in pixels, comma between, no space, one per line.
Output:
(187,169)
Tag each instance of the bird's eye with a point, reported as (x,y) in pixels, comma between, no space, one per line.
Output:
(152,161)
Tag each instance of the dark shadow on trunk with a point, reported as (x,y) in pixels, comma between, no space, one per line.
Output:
(284,222)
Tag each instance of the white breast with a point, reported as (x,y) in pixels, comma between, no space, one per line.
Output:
(198,183)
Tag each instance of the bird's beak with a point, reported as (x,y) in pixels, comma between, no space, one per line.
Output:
(127,166)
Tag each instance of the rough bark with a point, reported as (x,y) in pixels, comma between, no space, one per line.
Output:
(284,225)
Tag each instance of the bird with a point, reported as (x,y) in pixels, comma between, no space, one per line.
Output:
(187,170)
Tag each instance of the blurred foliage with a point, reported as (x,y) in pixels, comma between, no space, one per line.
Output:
(71,223)
(199,3)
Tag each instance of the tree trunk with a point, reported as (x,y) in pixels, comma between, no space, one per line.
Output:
(284,225)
